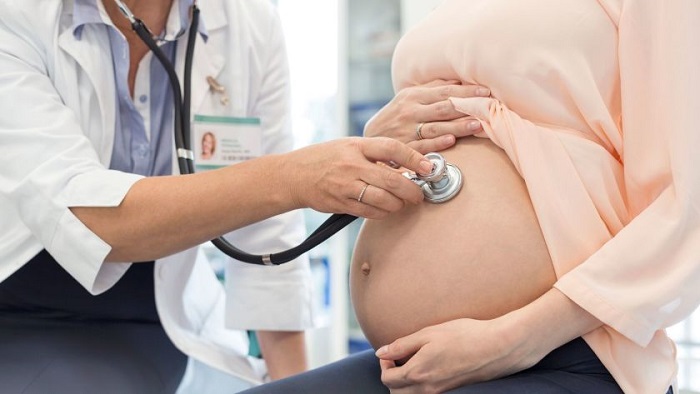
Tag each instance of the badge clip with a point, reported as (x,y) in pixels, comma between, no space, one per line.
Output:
(216,87)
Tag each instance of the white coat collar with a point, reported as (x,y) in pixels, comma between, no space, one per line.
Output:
(92,61)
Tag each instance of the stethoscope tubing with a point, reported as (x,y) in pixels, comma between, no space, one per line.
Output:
(185,157)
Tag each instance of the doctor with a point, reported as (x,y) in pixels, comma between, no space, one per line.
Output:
(85,190)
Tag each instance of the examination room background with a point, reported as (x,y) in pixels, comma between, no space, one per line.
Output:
(350,44)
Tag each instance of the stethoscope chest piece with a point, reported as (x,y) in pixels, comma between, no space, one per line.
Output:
(442,184)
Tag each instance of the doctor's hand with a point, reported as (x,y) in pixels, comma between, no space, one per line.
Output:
(345,176)
(424,117)
(453,354)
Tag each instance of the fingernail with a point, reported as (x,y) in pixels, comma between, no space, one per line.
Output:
(381,351)
(484,92)
(425,166)
(474,125)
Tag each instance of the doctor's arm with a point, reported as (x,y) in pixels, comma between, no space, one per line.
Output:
(163,215)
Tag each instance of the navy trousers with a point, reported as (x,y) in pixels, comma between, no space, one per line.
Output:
(572,368)
(57,338)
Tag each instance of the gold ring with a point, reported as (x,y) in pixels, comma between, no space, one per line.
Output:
(419,127)
(362,193)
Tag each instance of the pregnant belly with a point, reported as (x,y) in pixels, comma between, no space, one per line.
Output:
(479,255)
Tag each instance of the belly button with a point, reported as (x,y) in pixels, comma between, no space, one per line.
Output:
(365,268)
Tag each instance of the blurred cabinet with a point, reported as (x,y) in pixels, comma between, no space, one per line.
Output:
(340,55)
(374,27)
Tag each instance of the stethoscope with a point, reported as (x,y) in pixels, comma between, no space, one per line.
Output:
(442,184)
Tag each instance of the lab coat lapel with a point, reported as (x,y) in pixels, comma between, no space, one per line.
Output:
(205,62)
(89,54)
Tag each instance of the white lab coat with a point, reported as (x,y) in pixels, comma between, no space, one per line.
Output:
(57,125)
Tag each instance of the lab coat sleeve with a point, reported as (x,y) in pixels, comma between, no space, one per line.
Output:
(261,297)
(646,278)
(47,164)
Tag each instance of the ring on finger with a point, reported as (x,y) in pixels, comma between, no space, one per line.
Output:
(362,193)
(419,128)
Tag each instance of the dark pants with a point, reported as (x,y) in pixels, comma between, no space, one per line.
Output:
(572,368)
(57,338)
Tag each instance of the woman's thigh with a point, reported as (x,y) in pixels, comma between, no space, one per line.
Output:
(357,373)
(572,368)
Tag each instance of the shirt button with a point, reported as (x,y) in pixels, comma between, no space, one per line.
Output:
(143,98)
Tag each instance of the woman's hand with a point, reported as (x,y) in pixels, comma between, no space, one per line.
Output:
(465,351)
(344,176)
(424,117)
(453,354)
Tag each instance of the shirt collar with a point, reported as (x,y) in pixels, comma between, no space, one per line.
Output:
(93,12)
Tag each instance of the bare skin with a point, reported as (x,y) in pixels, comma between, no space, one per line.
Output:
(480,255)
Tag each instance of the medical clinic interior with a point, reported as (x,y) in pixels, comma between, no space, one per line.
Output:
(348,81)
(343,70)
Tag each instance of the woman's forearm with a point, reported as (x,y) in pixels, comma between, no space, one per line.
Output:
(549,322)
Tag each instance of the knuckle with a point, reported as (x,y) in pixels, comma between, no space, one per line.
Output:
(388,145)
(370,212)
(444,108)
(416,375)
(392,179)
(404,114)
(446,91)
(388,202)
(429,130)
(405,95)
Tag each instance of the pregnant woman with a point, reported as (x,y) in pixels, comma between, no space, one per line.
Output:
(576,239)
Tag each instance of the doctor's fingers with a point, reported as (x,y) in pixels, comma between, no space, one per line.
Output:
(388,189)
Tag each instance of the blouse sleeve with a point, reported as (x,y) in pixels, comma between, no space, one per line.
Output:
(646,277)
(624,234)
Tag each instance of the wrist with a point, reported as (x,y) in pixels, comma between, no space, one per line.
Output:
(286,182)
(545,324)
(520,342)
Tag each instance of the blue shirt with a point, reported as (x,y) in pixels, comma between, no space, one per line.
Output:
(143,142)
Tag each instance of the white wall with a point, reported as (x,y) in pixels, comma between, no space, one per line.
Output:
(413,10)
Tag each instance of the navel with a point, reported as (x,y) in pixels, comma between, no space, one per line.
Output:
(365,268)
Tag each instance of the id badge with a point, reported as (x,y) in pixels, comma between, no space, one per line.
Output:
(220,141)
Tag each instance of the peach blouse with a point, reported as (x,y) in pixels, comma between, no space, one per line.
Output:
(597,103)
